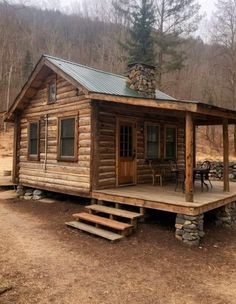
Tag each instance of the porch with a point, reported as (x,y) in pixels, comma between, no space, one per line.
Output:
(167,199)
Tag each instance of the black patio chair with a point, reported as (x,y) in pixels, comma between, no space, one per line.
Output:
(179,174)
(207,165)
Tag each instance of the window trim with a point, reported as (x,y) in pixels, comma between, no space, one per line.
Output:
(67,158)
(34,157)
(54,81)
(176,142)
(146,124)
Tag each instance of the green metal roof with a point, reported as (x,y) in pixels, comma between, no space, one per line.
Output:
(99,81)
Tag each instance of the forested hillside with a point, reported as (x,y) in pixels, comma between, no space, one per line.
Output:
(94,39)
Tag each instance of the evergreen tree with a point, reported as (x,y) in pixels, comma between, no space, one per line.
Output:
(141,44)
(140,19)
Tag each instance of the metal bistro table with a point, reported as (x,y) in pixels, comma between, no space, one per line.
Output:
(202,172)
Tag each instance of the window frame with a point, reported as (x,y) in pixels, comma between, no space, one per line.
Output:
(176,142)
(54,81)
(76,130)
(34,157)
(155,124)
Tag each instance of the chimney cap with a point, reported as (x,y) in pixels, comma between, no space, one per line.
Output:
(130,65)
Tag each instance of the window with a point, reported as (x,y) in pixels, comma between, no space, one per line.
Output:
(67,139)
(170,142)
(33,140)
(52,92)
(152,132)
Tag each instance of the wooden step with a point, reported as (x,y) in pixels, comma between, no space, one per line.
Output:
(102,221)
(114,211)
(111,236)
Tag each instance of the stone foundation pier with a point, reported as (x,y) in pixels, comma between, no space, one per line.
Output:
(189,229)
(226,216)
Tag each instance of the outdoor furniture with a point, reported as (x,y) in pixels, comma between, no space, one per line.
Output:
(207,165)
(202,173)
(178,173)
(198,174)
(157,171)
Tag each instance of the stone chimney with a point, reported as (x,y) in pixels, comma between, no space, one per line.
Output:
(142,78)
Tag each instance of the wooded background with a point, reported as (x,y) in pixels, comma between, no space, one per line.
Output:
(92,35)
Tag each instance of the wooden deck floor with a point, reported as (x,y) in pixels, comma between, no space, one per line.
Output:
(166,199)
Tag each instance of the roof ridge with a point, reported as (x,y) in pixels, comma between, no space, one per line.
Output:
(82,65)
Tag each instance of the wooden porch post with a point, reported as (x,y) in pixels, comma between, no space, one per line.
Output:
(226,154)
(189,157)
(194,146)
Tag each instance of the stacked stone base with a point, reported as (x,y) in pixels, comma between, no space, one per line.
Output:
(226,216)
(189,229)
(29,194)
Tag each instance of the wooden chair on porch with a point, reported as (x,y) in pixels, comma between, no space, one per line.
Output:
(157,171)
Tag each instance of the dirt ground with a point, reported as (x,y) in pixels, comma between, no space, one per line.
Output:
(46,262)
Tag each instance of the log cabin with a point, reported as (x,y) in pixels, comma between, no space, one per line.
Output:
(89,133)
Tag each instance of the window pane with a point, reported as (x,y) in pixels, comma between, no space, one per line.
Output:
(170,134)
(33,139)
(67,137)
(67,147)
(52,92)
(153,141)
(68,128)
(33,147)
(33,131)
(152,150)
(171,143)
(152,133)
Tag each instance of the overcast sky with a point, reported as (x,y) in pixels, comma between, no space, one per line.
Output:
(207,6)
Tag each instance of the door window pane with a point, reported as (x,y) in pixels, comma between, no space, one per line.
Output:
(126,141)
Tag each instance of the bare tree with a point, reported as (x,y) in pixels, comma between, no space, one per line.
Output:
(224,36)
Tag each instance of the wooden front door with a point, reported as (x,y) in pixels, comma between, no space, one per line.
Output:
(126,146)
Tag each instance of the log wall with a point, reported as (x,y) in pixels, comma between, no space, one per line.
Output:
(65,177)
(106,142)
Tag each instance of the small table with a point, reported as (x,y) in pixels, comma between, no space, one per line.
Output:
(200,171)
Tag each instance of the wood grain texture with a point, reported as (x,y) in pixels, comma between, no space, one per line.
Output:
(189,157)
(226,154)
(59,175)
(107,145)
